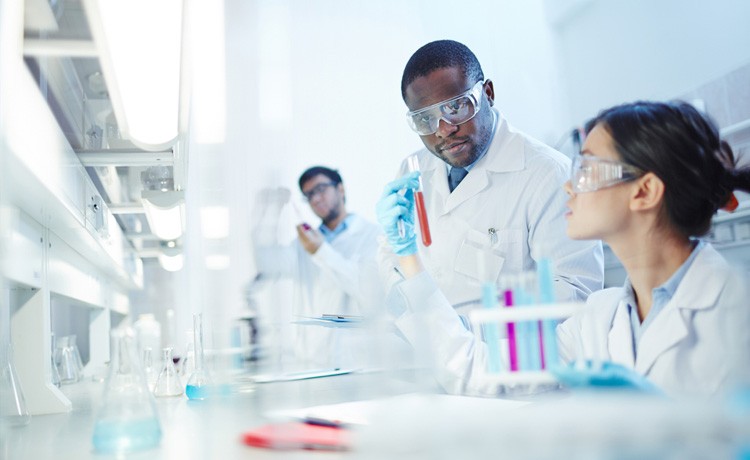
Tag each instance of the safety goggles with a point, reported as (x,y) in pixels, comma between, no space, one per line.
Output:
(460,109)
(590,173)
(317,190)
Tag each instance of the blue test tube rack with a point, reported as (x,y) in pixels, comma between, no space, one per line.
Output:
(533,317)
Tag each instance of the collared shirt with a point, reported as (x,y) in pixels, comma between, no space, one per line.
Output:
(468,167)
(331,235)
(660,295)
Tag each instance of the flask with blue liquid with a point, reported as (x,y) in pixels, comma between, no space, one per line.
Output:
(127,421)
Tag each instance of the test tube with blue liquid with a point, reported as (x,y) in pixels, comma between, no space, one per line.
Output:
(489,301)
(199,383)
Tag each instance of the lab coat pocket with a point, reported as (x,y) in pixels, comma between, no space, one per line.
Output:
(478,259)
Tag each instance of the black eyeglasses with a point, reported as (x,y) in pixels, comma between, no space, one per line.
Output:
(318,189)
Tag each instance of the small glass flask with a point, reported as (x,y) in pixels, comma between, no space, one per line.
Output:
(127,420)
(199,382)
(13,410)
(68,366)
(168,383)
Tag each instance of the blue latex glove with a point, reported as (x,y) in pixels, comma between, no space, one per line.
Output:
(394,206)
(609,375)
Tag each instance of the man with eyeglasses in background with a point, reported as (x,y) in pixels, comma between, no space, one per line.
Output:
(333,267)
(493,195)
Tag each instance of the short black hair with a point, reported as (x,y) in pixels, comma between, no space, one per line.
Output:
(331,174)
(438,55)
(683,148)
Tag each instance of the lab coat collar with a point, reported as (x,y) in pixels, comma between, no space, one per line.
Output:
(620,339)
(505,153)
(699,290)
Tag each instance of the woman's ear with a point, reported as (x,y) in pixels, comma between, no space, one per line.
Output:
(648,193)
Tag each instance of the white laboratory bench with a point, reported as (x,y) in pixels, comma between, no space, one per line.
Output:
(209,429)
(410,425)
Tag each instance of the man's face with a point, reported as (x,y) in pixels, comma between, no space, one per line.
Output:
(326,200)
(457,145)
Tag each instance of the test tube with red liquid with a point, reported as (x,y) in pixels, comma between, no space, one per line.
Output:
(424,226)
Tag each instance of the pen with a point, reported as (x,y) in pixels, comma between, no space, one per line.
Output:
(322,422)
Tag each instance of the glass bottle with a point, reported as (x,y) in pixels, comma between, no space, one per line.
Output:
(127,420)
(13,410)
(199,381)
(168,383)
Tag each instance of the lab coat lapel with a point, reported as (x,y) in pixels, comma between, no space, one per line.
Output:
(620,338)
(699,289)
(473,183)
(505,153)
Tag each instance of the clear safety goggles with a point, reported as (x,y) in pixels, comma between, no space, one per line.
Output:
(590,173)
(460,109)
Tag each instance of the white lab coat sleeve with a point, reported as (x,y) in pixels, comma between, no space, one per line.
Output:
(439,337)
(579,265)
(347,272)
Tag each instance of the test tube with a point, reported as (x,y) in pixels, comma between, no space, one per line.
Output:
(424,226)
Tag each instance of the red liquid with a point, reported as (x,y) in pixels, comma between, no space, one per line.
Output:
(424,226)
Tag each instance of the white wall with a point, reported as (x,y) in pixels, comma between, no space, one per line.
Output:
(334,67)
(619,51)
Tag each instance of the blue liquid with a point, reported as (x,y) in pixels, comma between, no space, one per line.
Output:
(126,436)
(196,391)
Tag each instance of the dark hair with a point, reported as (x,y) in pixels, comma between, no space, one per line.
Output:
(331,174)
(438,55)
(683,148)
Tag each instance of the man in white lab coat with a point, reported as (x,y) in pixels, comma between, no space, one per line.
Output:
(493,195)
(333,267)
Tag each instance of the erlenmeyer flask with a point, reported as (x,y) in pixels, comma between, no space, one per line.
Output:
(168,383)
(199,381)
(127,420)
(13,409)
(68,368)
(76,354)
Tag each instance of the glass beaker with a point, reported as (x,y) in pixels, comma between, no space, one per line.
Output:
(199,381)
(168,383)
(13,410)
(127,420)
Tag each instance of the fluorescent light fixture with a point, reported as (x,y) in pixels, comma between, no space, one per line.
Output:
(204,34)
(215,222)
(171,258)
(139,44)
(165,212)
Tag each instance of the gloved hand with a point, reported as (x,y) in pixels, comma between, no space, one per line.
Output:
(394,207)
(608,375)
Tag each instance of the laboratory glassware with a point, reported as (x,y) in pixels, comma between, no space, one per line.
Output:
(424,226)
(168,383)
(199,382)
(127,420)
(13,410)
(76,353)
(148,367)
(68,364)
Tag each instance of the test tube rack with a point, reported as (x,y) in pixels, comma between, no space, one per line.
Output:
(523,313)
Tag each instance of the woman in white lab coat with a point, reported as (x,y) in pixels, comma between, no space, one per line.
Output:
(648,181)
